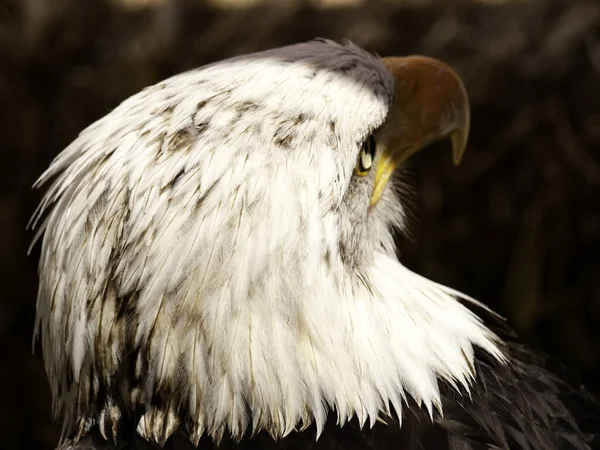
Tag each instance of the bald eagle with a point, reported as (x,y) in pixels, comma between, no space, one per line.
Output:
(218,269)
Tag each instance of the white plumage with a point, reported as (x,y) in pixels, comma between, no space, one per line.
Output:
(210,256)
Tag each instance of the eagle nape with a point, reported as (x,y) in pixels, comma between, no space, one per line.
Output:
(218,269)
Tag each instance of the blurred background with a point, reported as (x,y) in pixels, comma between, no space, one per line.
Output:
(517,225)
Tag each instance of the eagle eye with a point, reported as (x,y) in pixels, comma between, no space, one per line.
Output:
(366,157)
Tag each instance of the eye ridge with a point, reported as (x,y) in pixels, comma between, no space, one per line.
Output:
(366,156)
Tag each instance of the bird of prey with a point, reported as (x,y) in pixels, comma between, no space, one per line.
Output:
(218,269)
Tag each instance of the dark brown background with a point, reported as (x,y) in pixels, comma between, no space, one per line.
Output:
(517,225)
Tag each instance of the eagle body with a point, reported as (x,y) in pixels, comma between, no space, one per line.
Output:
(218,269)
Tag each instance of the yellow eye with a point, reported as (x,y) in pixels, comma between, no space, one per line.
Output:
(366,157)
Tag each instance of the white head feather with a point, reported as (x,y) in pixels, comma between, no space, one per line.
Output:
(210,259)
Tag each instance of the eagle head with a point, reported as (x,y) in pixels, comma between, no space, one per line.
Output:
(218,250)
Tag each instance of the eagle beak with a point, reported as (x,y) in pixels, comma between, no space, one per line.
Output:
(430,104)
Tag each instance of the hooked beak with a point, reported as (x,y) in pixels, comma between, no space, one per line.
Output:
(430,104)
